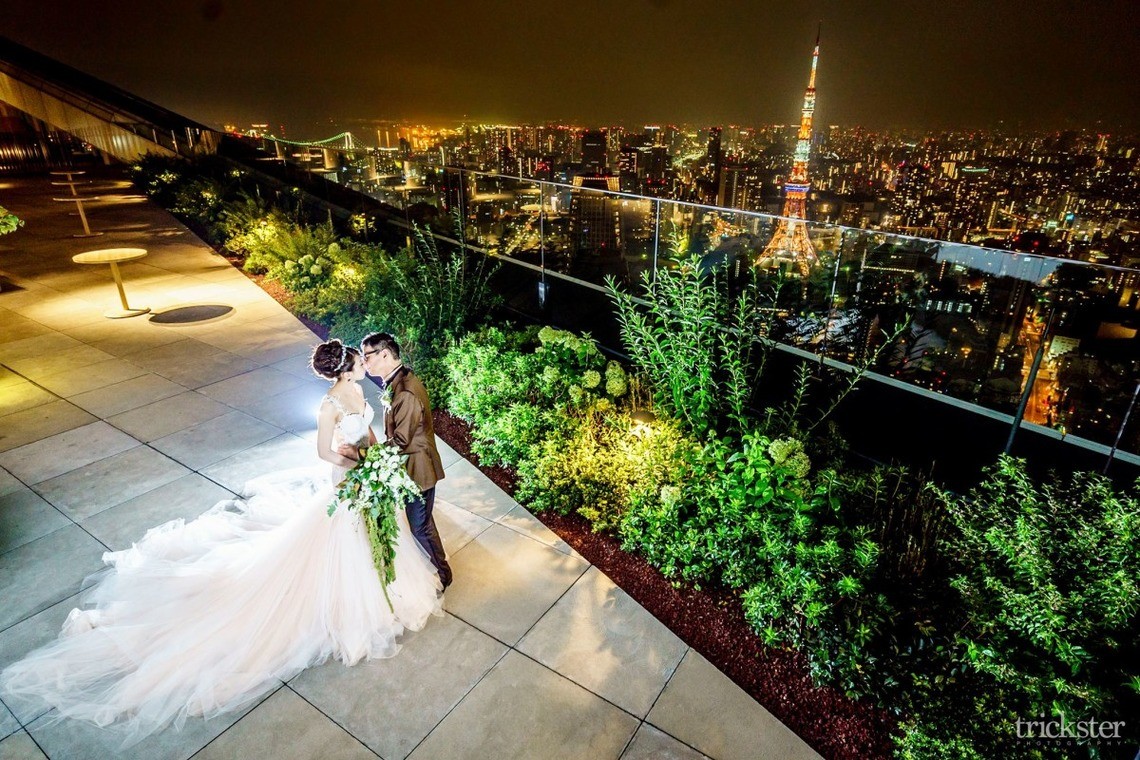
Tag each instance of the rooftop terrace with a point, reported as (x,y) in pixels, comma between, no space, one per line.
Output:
(108,427)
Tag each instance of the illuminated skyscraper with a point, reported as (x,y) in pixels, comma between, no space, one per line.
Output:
(594,151)
(791,242)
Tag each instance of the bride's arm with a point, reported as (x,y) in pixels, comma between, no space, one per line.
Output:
(326,423)
(353,452)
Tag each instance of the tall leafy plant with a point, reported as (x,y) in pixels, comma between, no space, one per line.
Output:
(699,347)
(440,296)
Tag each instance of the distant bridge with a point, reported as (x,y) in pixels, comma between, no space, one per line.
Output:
(344,141)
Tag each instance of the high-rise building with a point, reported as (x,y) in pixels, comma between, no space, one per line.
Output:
(791,243)
(709,183)
(595,217)
(594,151)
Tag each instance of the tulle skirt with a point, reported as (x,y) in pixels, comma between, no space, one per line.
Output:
(204,617)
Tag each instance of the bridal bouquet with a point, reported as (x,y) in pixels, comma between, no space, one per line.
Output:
(377,488)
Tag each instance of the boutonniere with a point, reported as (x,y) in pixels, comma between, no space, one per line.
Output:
(386,397)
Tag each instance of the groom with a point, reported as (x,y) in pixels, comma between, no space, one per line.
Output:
(408,425)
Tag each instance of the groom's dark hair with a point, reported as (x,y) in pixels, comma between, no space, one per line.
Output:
(381,342)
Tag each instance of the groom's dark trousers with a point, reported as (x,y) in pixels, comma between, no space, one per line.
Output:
(419,514)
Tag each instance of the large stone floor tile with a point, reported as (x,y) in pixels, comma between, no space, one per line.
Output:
(40,573)
(279,347)
(77,740)
(212,441)
(522,521)
(8,724)
(505,582)
(654,744)
(101,485)
(298,364)
(52,343)
(457,527)
(465,486)
(24,517)
(285,350)
(285,727)
(207,370)
(284,452)
(22,428)
(185,350)
(32,633)
(14,327)
(549,717)
(8,482)
(62,313)
(703,708)
(41,365)
(294,410)
(17,397)
(446,453)
(599,637)
(99,375)
(8,377)
(184,498)
(251,386)
(392,704)
(19,746)
(169,415)
(126,344)
(63,452)
(138,391)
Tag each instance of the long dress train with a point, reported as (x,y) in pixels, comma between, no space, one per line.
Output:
(203,617)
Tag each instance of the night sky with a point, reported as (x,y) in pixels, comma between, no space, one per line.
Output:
(1035,65)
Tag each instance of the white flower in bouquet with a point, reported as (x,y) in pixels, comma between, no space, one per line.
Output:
(377,488)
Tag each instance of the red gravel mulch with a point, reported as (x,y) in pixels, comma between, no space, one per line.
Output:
(713,624)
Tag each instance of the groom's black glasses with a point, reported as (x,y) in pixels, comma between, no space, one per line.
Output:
(370,353)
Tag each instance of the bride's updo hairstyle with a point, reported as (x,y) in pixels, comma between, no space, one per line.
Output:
(331,358)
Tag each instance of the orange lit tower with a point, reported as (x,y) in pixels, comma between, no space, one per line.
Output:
(791,242)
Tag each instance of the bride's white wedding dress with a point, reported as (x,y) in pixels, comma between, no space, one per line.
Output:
(203,617)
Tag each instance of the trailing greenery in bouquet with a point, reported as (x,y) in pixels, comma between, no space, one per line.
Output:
(378,488)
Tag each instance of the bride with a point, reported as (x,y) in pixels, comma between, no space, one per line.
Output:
(205,617)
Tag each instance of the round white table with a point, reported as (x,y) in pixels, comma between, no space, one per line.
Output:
(79,200)
(114,257)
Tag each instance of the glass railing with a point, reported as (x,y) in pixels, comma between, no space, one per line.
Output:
(976,326)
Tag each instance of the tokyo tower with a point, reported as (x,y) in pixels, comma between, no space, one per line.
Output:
(791,242)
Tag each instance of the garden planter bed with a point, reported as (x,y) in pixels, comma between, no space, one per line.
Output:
(712,622)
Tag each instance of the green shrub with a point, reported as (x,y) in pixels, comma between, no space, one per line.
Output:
(1048,577)
(490,370)
(9,222)
(247,223)
(747,516)
(160,177)
(201,200)
(592,464)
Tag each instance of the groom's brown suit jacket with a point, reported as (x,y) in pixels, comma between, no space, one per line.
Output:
(408,425)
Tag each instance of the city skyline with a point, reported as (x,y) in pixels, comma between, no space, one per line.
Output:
(965,65)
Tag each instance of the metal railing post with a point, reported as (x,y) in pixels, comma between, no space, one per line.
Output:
(1120,432)
(1028,390)
(656,235)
